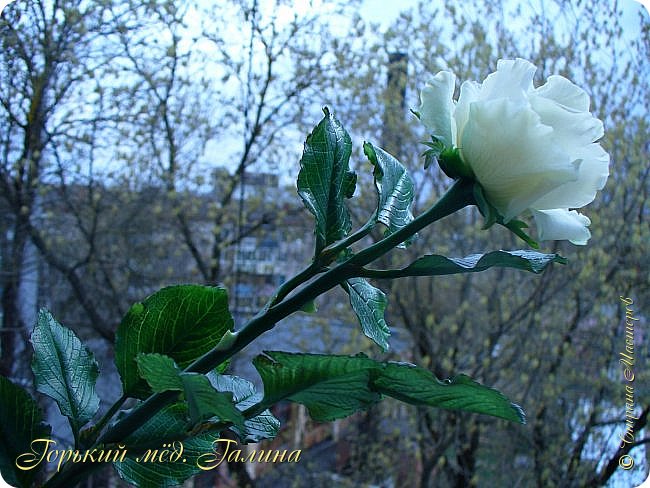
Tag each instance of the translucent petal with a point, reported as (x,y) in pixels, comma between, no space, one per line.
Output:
(562,224)
(564,92)
(436,106)
(592,176)
(513,154)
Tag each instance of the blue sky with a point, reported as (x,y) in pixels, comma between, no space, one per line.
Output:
(385,11)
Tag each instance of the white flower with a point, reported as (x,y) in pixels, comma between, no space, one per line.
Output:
(530,148)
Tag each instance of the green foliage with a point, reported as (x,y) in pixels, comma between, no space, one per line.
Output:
(160,371)
(566,318)
(183,322)
(160,339)
(164,427)
(171,349)
(325,180)
(419,386)
(369,304)
(257,427)
(65,370)
(432,265)
(394,188)
(333,387)
(204,402)
(20,423)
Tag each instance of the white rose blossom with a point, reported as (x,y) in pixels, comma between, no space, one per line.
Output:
(530,148)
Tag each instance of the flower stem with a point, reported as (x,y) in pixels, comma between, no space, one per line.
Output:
(331,251)
(458,196)
(326,256)
(290,285)
(97,428)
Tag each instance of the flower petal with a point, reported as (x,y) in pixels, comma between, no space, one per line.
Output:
(573,129)
(469,92)
(436,106)
(592,176)
(561,224)
(513,155)
(512,79)
(565,93)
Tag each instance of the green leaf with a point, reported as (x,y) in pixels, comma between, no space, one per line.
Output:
(257,428)
(418,386)
(394,189)
(205,401)
(325,180)
(160,371)
(516,227)
(65,370)
(183,322)
(20,423)
(433,264)
(369,304)
(490,214)
(169,424)
(331,387)
(431,155)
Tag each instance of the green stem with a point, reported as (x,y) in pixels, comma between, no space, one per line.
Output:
(253,329)
(104,420)
(458,196)
(326,256)
(290,285)
(387,274)
(331,251)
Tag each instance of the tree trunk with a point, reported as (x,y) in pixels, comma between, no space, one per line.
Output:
(12,323)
